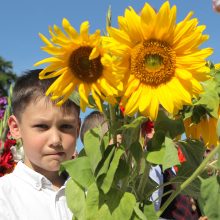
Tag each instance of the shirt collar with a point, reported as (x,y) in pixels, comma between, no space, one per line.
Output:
(37,180)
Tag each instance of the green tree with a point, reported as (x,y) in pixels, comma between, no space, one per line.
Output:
(7,76)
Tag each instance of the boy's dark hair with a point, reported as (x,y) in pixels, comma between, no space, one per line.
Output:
(91,121)
(29,88)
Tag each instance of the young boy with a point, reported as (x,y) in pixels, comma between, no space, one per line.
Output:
(35,190)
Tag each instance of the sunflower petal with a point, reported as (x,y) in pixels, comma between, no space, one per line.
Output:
(84,91)
(45,40)
(72,33)
(166,101)
(183,74)
(84,31)
(94,54)
(48,60)
(97,100)
(132,105)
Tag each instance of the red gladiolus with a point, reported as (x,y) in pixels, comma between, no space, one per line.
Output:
(7,162)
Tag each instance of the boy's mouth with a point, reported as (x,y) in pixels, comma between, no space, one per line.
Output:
(60,154)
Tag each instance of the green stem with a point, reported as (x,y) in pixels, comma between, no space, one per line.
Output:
(159,187)
(188,181)
(126,179)
(112,122)
(143,181)
(160,197)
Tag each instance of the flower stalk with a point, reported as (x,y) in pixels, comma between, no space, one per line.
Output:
(143,181)
(112,123)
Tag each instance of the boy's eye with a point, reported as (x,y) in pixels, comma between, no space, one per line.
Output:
(67,126)
(41,126)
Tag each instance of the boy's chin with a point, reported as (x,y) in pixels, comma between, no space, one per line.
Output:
(53,166)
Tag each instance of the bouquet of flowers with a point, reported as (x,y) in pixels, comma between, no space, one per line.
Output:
(10,149)
(148,73)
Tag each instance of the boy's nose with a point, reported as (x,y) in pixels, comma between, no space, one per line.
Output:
(56,139)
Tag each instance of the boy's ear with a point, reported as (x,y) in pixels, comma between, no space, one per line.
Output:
(14,127)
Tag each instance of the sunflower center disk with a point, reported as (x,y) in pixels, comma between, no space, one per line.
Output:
(153,62)
(83,68)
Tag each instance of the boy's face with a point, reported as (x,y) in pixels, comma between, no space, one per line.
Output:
(48,135)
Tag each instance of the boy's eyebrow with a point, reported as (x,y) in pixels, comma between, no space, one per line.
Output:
(73,120)
(66,119)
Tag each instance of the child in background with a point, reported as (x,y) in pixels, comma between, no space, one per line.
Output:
(91,121)
(35,190)
(95,119)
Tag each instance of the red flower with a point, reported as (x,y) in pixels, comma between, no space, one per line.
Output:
(9,143)
(6,157)
(147,128)
(122,109)
(181,157)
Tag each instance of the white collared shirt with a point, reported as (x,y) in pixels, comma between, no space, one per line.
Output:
(28,195)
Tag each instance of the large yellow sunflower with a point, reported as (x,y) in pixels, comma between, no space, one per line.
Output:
(205,130)
(79,61)
(162,58)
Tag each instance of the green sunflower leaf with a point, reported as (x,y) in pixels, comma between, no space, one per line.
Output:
(92,201)
(137,151)
(139,213)
(210,98)
(104,164)
(95,146)
(75,98)
(149,211)
(77,206)
(108,179)
(210,196)
(171,155)
(80,170)
(132,131)
(103,213)
(170,127)
(166,154)
(125,208)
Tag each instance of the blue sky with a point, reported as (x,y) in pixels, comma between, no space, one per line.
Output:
(21,21)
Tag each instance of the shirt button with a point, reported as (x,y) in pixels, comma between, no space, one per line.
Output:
(38,186)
